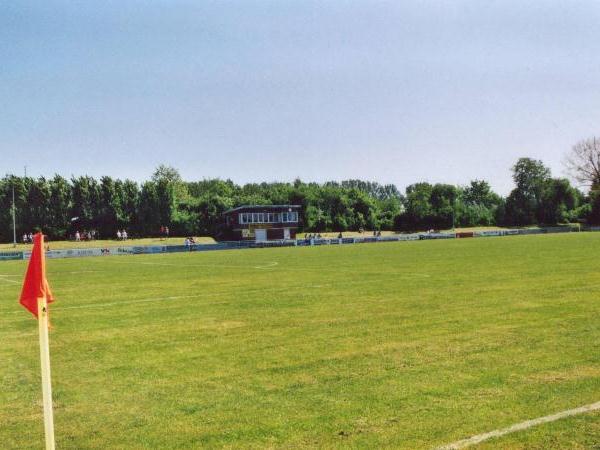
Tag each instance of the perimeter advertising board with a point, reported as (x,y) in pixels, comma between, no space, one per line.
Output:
(7,256)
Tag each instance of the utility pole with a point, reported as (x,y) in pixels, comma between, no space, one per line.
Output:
(453,213)
(13,215)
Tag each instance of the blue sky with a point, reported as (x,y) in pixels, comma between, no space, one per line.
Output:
(395,92)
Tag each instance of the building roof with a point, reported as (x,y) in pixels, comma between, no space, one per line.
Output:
(261,207)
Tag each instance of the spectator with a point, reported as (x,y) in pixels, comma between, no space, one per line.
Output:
(25,238)
(124,234)
(118,235)
(167,232)
(31,237)
(77,236)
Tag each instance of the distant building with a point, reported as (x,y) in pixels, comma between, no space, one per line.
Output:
(260,223)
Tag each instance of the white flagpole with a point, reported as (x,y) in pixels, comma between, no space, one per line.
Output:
(46,383)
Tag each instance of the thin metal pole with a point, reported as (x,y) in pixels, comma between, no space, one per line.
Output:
(13,216)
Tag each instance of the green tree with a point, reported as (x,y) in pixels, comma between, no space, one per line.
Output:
(480,205)
(524,204)
(58,207)
(85,203)
(418,212)
(559,199)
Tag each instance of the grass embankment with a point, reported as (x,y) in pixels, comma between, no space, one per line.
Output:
(328,235)
(58,245)
(403,345)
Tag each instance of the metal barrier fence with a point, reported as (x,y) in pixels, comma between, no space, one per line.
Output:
(232,245)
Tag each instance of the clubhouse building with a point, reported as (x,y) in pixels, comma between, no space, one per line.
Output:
(260,223)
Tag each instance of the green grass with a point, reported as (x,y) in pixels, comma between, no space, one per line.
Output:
(389,345)
(57,245)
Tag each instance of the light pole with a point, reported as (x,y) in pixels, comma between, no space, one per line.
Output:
(453,213)
(13,215)
(453,226)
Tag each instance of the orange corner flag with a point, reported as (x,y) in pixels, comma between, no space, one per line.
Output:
(35,296)
(35,285)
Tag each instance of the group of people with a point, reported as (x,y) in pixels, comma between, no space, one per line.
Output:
(309,237)
(189,241)
(164,232)
(122,235)
(28,238)
(312,236)
(85,235)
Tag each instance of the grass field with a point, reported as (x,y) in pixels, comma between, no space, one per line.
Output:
(389,345)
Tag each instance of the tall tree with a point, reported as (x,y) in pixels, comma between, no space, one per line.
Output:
(58,207)
(418,212)
(166,173)
(444,198)
(523,205)
(85,203)
(109,210)
(583,162)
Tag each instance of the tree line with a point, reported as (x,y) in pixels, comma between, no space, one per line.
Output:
(61,206)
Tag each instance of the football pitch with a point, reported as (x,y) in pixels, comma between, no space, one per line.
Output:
(388,345)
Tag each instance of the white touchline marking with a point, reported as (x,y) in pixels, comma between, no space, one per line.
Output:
(266,266)
(520,426)
(217,266)
(205,295)
(73,273)
(9,281)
